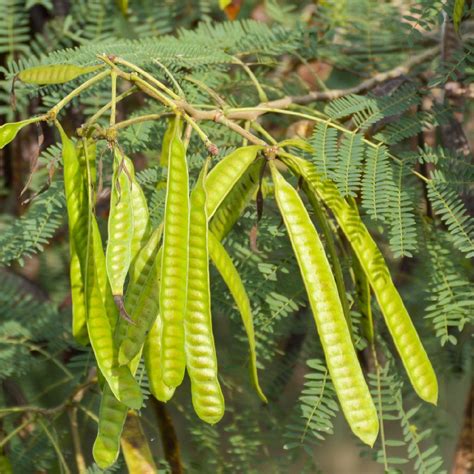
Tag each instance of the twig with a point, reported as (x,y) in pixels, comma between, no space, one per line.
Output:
(464,456)
(168,437)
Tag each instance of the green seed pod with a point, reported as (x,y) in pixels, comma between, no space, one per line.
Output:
(399,323)
(8,131)
(201,360)
(121,224)
(54,73)
(174,264)
(341,358)
(231,277)
(222,178)
(232,206)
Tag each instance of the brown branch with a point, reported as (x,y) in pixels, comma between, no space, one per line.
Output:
(169,438)
(464,456)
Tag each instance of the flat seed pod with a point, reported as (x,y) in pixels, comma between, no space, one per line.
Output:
(54,73)
(222,178)
(201,359)
(341,358)
(120,225)
(174,264)
(231,277)
(88,246)
(8,131)
(399,323)
(232,206)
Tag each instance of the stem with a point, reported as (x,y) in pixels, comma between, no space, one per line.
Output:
(113,101)
(148,76)
(55,446)
(168,437)
(172,78)
(261,93)
(107,106)
(14,432)
(76,440)
(380,407)
(63,102)
(141,118)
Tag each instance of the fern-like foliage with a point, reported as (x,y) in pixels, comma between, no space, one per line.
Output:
(450,296)
(403,238)
(449,207)
(317,408)
(30,234)
(347,174)
(377,183)
(324,142)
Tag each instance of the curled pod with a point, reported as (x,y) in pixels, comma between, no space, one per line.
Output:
(231,277)
(54,73)
(406,339)
(174,264)
(341,358)
(201,359)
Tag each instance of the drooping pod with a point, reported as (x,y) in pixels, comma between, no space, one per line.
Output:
(231,277)
(175,126)
(223,177)
(120,225)
(112,413)
(341,358)
(87,241)
(406,339)
(119,378)
(54,73)
(174,264)
(237,198)
(152,356)
(201,359)
(142,306)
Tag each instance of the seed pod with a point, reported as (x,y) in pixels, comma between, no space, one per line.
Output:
(201,360)
(121,224)
(402,330)
(222,178)
(231,277)
(174,264)
(8,131)
(232,206)
(54,73)
(341,358)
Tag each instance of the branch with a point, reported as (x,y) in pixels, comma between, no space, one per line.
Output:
(168,437)
(464,456)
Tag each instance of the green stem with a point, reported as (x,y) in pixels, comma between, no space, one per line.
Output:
(148,76)
(14,432)
(56,446)
(113,101)
(63,102)
(107,106)
(141,118)
(262,96)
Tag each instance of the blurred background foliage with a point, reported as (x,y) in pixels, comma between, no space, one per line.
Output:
(414,62)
